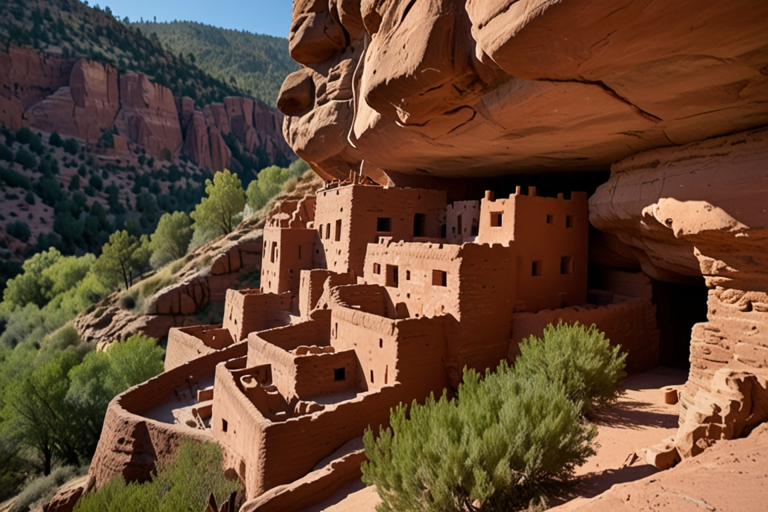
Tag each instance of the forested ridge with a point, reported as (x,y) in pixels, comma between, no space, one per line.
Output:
(254,63)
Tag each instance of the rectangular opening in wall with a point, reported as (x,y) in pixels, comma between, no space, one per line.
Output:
(393,277)
(371,376)
(536,268)
(384,225)
(475,229)
(339,374)
(496,219)
(328,231)
(569,221)
(439,278)
(320,231)
(376,268)
(549,219)
(407,275)
(273,252)
(224,425)
(566,265)
(419,225)
(338,230)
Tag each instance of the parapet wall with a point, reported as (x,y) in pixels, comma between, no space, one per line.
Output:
(247,311)
(188,343)
(629,322)
(131,444)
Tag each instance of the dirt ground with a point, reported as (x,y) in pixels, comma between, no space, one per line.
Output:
(640,418)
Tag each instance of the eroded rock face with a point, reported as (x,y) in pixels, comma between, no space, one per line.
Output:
(455,88)
(700,210)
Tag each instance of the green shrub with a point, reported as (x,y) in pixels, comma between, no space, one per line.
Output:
(181,485)
(503,442)
(26,159)
(40,490)
(71,146)
(14,179)
(127,302)
(6,153)
(580,359)
(19,229)
(55,140)
(30,198)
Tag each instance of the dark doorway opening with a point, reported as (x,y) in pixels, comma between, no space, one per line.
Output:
(678,307)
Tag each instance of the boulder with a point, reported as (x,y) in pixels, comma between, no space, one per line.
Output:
(66,497)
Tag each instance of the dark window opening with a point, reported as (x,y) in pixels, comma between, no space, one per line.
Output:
(407,275)
(439,278)
(569,221)
(338,230)
(392,276)
(443,230)
(536,268)
(381,343)
(371,376)
(384,224)
(496,219)
(549,219)
(328,231)
(419,224)
(376,268)
(475,229)
(566,265)
(339,374)
(273,252)
(224,425)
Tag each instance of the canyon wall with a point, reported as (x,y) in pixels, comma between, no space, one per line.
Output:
(83,99)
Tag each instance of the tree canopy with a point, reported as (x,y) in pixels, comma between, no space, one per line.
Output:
(171,238)
(226,198)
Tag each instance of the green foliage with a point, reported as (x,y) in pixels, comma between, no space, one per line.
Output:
(96,182)
(271,181)
(71,146)
(226,198)
(6,153)
(503,442)
(171,238)
(580,359)
(55,140)
(40,490)
(14,179)
(19,230)
(179,486)
(258,63)
(30,198)
(26,159)
(121,258)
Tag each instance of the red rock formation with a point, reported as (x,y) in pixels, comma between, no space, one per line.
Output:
(26,77)
(148,116)
(84,109)
(481,87)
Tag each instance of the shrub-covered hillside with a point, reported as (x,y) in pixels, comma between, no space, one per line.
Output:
(72,29)
(255,63)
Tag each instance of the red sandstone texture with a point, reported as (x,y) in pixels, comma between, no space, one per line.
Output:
(83,98)
(483,87)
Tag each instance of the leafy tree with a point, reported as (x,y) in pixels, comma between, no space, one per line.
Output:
(74,183)
(55,140)
(14,179)
(6,153)
(71,146)
(32,286)
(96,182)
(226,199)
(26,159)
(30,198)
(171,238)
(19,230)
(120,259)
(503,442)
(578,358)
(36,412)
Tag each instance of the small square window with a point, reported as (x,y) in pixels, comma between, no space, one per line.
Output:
(566,265)
(407,275)
(569,221)
(384,224)
(549,219)
(536,268)
(439,278)
(376,268)
(339,374)
(496,219)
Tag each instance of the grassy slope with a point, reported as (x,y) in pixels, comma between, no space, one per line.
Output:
(257,63)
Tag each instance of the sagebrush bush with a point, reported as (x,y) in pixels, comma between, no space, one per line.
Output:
(179,486)
(503,442)
(40,490)
(577,357)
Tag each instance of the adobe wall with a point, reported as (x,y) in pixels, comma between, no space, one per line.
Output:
(287,251)
(462,221)
(314,373)
(131,444)
(188,343)
(247,311)
(629,322)
(310,489)
(478,296)
(355,209)
(370,298)
(313,284)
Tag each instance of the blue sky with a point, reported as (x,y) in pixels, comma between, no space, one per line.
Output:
(271,17)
